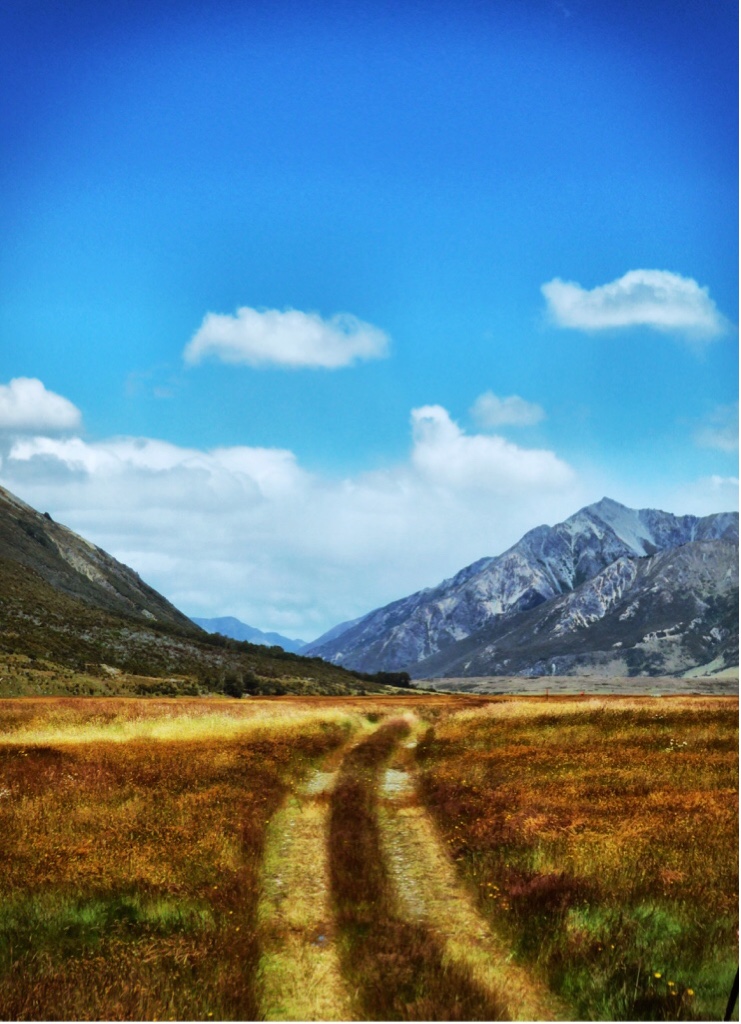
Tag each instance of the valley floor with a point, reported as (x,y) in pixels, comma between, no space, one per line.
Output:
(421,857)
(722,684)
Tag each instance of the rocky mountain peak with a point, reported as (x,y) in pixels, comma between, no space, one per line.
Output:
(545,563)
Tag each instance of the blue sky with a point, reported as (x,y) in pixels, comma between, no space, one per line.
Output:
(425,170)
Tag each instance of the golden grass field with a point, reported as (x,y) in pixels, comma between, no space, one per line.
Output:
(207,859)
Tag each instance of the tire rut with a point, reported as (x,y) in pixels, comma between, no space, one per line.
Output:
(362,915)
(430,894)
(300,977)
(397,965)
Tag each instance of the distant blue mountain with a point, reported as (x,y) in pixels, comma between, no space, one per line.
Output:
(227,625)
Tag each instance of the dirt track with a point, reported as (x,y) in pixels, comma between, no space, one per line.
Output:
(301,971)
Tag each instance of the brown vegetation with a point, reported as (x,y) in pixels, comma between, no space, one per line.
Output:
(129,873)
(601,838)
(597,837)
(55,644)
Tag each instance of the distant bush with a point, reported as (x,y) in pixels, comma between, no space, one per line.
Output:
(158,688)
(251,683)
(233,685)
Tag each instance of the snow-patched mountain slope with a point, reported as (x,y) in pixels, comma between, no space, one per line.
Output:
(546,562)
(662,615)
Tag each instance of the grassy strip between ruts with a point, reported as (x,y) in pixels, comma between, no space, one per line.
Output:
(396,967)
(129,872)
(601,838)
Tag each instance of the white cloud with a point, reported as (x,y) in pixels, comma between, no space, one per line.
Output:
(27,406)
(289,339)
(249,532)
(641,298)
(448,457)
(489,411)
(720,430)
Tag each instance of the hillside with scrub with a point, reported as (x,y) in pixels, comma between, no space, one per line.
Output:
(74,620)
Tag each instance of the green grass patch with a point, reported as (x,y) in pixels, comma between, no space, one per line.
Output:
(70,924)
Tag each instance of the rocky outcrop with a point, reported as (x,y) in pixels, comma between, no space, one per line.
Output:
(660,615)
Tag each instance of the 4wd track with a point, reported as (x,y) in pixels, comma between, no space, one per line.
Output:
(405,858)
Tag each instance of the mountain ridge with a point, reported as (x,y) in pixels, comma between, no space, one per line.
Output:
(664,614)
(80,569)
(545,563)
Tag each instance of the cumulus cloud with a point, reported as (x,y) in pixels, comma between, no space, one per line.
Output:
(270,468)
(489,411)
(641,298)
(26,406)
(291,339)
(250,532)
(720,431)
(445,455)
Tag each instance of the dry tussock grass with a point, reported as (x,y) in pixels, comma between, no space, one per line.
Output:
(61,721)
(133,834)
(129,872)
(601,837)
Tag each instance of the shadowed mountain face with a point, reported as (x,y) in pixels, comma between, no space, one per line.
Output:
(418,632)
(78,569)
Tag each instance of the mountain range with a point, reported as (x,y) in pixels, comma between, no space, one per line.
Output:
(227,625)
(611,590)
